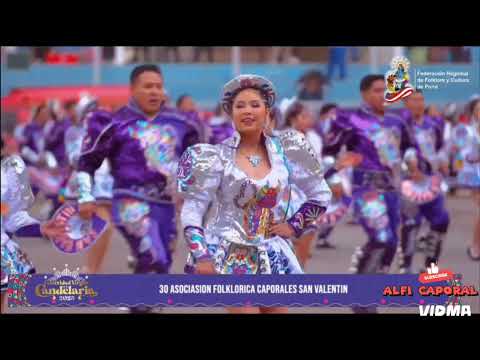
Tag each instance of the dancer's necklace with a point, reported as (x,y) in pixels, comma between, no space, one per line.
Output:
(254,159)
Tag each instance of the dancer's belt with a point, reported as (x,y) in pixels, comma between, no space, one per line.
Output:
(382,180)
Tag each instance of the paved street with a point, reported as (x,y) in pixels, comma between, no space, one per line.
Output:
(337,261)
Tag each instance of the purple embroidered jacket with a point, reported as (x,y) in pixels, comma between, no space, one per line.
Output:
(381,141)
(143,153)
(429,136)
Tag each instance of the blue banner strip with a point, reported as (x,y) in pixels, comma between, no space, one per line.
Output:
(77,290)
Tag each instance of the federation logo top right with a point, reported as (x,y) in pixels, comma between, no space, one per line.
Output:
(397,80)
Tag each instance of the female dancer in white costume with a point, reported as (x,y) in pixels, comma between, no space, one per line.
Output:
(17,198)
(248,178)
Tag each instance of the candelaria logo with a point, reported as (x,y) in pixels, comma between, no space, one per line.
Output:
(454,290)
(66,286)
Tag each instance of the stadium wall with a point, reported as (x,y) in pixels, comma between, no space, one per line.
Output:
(204,81)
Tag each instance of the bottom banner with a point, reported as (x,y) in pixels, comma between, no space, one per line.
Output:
(70,288)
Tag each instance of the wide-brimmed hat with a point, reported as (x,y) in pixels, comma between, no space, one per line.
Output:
(247,81)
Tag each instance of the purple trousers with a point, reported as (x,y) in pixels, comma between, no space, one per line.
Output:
(436,214)
(149,229)
(379,215)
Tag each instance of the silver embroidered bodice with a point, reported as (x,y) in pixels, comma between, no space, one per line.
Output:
(240,209)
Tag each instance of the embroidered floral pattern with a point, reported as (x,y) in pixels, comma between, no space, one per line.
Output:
(134,216)
(16,290)
(14,262)
(184,170)
(279,263)
(258,214)
(308,213)
(241,260)
(158,143)
(373,210)
(195,238)
(386,141)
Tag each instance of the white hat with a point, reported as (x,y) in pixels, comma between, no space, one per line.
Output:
(231,89)
(85,104)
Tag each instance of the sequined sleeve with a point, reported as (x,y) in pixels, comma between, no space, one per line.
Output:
(16,191)
(97,142)
(306,172)
(16,195)
(199,175)
(97,145)
(341,133)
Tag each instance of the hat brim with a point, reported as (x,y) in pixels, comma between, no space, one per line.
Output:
(242,82)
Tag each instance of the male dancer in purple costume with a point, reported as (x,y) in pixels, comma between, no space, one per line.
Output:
(428,133)
(327,116)
(381,138)
(143,142)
